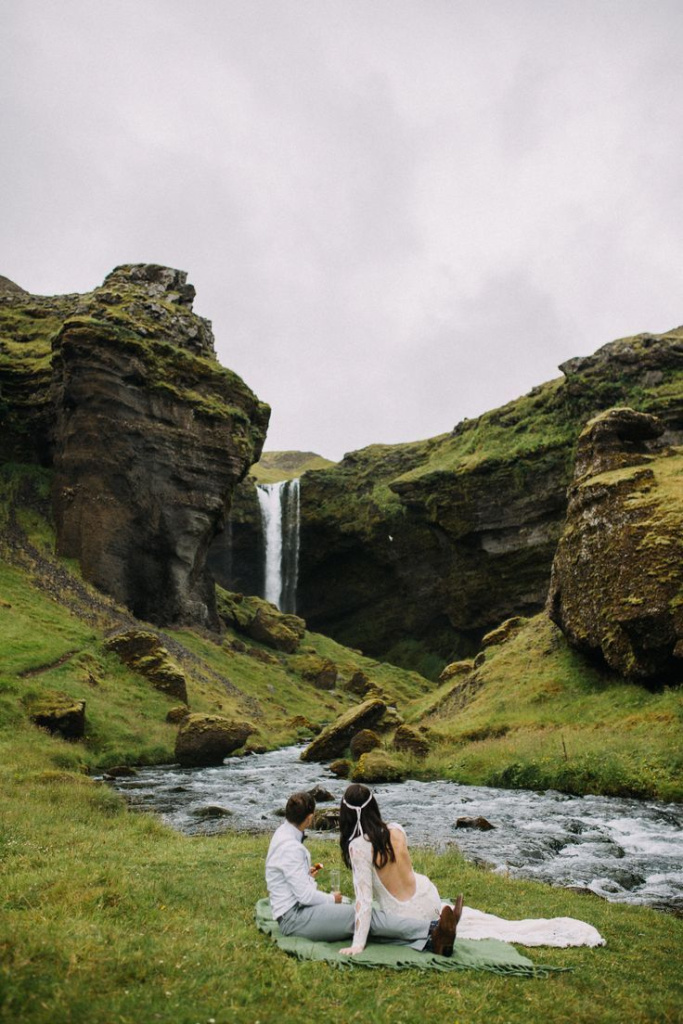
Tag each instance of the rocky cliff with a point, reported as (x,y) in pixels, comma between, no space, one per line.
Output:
(617,581)
(120,391)
(439,541)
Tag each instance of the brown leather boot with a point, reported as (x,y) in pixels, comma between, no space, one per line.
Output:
(443,935)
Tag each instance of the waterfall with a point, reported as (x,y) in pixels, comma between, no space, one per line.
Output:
(280,520)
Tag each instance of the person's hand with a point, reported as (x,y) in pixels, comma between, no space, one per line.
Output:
(351,951)
(315,869)
(337,897)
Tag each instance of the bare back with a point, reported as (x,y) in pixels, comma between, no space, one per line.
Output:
(398,876)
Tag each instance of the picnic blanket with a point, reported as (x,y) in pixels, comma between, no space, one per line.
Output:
(468,954)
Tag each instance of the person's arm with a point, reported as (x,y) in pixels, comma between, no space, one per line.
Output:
(360,852)
(303,886)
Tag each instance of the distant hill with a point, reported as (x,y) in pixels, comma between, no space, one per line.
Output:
(276,466)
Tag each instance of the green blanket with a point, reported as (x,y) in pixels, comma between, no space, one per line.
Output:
(477,955)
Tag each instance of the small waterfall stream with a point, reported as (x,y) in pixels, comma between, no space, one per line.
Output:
(279,505)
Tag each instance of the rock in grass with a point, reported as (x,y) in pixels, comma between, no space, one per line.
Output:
(363,742)
(177,714)
(377,766)
(456,668)
(410,742)
(335,738)
(204,740)
(143,652)
(320,671)
(58,713)
(504,631)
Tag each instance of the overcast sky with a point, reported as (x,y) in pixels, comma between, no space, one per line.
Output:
(397,213)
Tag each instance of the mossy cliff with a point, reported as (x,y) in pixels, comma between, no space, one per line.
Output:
(617,582)
(424,547)
(119,391)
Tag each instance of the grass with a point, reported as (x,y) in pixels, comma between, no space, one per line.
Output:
(273,467)
(107,916)
(537,715)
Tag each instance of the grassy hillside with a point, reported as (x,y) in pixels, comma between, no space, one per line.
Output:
(275,466)
(107,916)
(536,714)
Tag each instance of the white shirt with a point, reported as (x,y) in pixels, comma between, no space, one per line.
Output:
(288,872)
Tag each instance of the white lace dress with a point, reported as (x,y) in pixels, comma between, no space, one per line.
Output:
(474,924)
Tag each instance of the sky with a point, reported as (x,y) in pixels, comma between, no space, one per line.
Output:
(397,213)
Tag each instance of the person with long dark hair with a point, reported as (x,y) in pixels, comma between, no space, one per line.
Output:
(377,854)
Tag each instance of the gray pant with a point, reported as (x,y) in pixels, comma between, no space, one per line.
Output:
(334,922)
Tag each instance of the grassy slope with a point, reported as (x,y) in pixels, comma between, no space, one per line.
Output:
(537,714)
(109,917)
(275,466)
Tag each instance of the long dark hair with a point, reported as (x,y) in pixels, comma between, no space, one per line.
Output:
(370,822)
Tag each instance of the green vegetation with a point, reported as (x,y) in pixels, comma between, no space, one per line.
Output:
(106,916)
(275,466)
(536,714)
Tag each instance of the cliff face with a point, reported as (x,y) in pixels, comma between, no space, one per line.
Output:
(441,540)
(121,392)
(617,581)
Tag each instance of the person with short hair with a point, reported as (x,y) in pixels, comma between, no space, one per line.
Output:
(301,908)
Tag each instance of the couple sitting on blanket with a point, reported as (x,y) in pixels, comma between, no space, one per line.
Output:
(410,910)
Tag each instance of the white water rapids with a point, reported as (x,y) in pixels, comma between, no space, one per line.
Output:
(625,850)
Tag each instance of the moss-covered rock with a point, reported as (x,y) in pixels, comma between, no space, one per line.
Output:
(58,713)
(617,583)
(503,632)
(363,742)
(321,672)
(335,738)
(261,621)
(456,668)
(377,766)
(120,390)
(204,740)
(409,741)
(341,768)
(442,540)
(144,652)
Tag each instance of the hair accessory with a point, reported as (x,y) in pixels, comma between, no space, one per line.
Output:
(357,808)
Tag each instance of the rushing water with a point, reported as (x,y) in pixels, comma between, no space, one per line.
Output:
(629,851)
(279,504)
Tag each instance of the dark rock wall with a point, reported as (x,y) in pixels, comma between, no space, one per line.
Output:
(147,433)
(440,541)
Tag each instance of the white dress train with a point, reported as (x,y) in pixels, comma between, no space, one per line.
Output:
(474,924)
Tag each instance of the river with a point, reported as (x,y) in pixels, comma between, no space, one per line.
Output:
(624,850)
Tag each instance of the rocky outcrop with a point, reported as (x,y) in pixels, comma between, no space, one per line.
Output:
(617,582)
(321,672)
(204,740)
(442,540)
(363,742)
(261,621)
(409,741)
(335,738)
(144,652)
(58,713)
(377,766)
(120,390)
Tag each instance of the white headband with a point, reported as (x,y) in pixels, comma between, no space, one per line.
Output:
(357,808)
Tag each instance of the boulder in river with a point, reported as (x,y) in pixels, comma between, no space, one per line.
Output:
(363,742)
(377,766)
(321,795)
(204,740)
(482,824)
(335,738)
